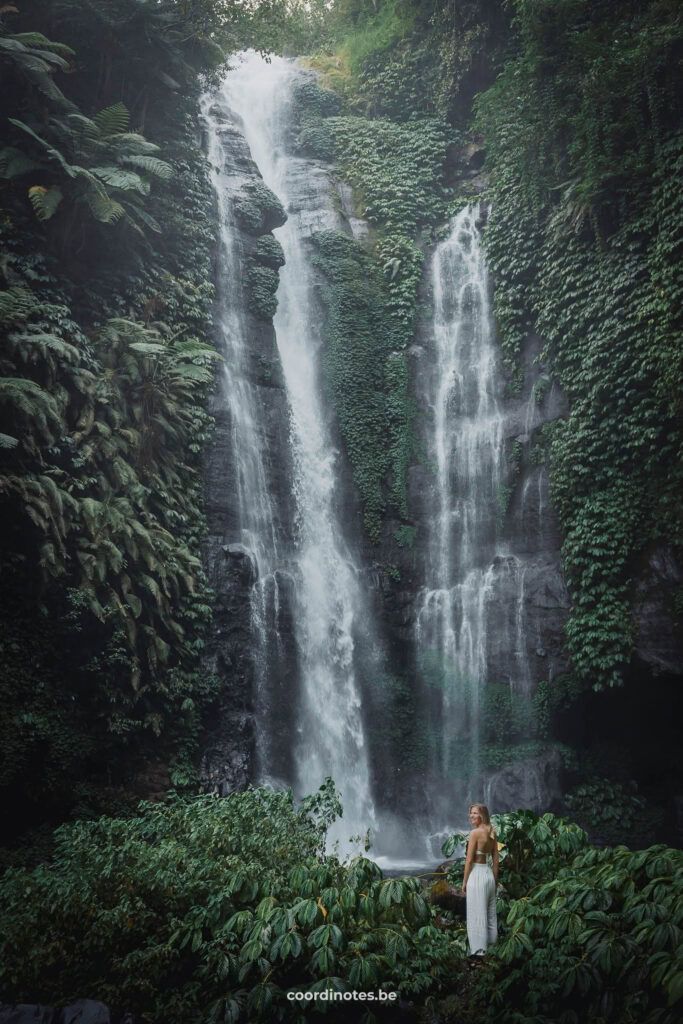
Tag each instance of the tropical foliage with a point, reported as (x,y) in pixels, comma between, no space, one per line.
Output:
(105,310)
(585,933)
(221,909)
(215,908)
(603,935)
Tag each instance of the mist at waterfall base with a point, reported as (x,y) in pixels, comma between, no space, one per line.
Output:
(304,545)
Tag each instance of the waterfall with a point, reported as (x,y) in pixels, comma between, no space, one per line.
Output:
(468,567)
(252,529)
(328,613)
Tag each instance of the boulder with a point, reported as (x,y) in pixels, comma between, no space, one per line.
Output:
(533,783)
(83,1011)
(448,897)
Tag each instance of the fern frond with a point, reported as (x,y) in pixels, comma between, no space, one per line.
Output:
(145,217)
(151,164)
(46,343)
(16,305)
(50,149)
(194,374)
(30,399)
(37,39)
(84,126)
(45,201)
(47,58)
(119,177)
(112,120)
(139,143)
(148,348)
(103,209)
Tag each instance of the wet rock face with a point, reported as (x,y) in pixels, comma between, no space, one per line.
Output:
(659,637)
(533,783)
(228,757)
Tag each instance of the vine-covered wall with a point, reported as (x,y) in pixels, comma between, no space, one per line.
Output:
(583,240)
(395,172)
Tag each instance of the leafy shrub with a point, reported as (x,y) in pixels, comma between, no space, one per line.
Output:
(269,252)
(611,811)
(316,140)
(599,941)
(309,97)
(213,907)
(585,934)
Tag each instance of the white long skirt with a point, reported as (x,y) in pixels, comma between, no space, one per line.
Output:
(482,925)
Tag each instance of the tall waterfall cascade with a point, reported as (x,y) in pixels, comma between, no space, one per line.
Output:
(328,609)
(254,526)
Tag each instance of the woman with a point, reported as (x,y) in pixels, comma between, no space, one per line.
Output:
(479,881)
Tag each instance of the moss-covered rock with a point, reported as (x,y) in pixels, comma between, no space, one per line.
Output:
(269,252)
(311,98)
(262,284)
(258,210)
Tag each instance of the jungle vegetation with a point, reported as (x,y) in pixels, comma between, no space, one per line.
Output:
(192,907)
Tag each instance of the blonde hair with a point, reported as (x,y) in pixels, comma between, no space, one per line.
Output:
(484,811)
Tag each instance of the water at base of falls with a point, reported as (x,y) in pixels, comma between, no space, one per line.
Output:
(329,609)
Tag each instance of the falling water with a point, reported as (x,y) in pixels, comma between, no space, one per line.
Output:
(328,613)
(464,558)
(254,521)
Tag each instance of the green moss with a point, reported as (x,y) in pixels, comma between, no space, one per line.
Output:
(405,536)
(262,284)
(395,172)
(258,210)
(354,363)
(269,252)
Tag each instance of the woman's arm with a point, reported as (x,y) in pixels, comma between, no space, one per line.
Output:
(471,847)
(494,857)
